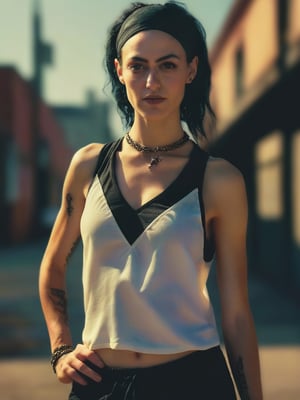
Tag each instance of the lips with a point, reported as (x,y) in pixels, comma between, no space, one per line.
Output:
(154,99)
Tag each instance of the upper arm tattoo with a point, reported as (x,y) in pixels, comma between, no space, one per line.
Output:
(70,208)
(59,300)
(241,381)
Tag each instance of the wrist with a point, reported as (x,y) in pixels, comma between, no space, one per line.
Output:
(58,353)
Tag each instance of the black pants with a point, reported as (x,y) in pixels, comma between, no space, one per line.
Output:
(202,375)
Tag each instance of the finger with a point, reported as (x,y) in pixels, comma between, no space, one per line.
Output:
(67,374)
(85,370)
(77,377)
(83,353)
(94,358)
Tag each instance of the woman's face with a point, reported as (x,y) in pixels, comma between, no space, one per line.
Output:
(155,70)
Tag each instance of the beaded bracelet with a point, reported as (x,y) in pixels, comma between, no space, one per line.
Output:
(59,352)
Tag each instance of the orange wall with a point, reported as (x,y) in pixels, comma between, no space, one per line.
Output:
(294,18)
(257,33)
(260,38)
(16,118)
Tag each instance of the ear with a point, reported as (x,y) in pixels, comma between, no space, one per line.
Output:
(119,70)
(193,68)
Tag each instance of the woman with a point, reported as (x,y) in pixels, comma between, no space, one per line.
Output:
(153,210)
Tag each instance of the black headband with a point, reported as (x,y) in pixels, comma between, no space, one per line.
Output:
(158,17)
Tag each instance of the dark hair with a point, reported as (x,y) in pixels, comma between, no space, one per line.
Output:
(196,99)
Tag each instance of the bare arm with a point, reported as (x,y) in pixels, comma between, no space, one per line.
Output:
(228,196)
(52,284)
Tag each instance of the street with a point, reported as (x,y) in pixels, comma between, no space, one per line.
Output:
(25,372)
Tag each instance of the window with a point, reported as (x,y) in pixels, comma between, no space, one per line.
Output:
(283,11)
(269,176)
(296,186)
(239,65)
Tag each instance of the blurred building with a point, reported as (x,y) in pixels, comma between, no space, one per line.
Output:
(81,124)
(256,96)
(37,143)
(85,124)
(33,159)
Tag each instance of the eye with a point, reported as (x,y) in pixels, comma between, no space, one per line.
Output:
(168,65)
(136,67)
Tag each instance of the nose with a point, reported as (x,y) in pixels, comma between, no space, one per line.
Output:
(153,81)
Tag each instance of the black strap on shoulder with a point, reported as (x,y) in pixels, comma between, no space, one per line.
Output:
(105,154)
(209,248)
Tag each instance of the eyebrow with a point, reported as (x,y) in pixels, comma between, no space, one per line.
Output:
(163,58)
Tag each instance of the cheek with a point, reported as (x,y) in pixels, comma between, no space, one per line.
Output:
(178,86)
(133,89)
(132,83)
(177,80)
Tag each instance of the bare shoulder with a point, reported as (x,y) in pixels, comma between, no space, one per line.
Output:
(87,156)
(221,171)
(81,169)
(84,161)
(224,182)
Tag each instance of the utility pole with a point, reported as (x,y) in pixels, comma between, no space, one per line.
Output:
(41,56)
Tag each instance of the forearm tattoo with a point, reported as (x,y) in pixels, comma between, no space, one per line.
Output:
(59,300)
(74,245)
(69,200)
(241,380)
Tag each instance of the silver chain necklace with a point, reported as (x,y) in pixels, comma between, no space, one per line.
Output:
(155,159)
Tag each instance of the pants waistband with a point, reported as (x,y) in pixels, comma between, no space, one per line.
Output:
(196,357)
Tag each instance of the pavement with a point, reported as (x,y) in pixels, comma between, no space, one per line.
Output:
(25,372)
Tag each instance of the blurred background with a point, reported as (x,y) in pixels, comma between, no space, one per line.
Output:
(53,100)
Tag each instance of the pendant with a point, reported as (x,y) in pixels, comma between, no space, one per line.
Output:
(154,161)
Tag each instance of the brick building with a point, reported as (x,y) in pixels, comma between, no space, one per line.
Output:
(256,82)
(33,159)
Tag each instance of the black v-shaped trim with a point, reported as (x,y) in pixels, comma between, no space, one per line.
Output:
(132,222)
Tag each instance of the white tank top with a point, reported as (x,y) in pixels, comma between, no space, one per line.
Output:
(144,272)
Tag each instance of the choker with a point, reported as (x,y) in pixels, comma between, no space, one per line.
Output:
(155,158)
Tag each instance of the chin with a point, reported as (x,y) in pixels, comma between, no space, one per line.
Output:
(155,115)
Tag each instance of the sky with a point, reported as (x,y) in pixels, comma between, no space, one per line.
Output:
(77,30)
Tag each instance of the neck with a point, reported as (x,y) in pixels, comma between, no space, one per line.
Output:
(156,133)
